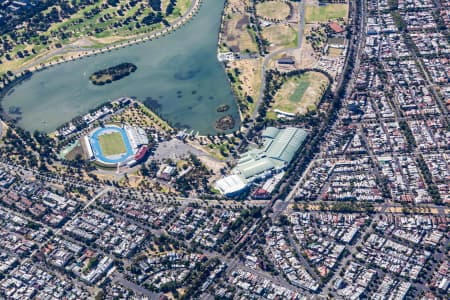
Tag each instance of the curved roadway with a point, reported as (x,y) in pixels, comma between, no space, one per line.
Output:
(36,64)
(268,57)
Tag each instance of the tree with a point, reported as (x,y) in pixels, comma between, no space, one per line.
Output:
(155,4)
(171,7)
(99,295)
(283,220)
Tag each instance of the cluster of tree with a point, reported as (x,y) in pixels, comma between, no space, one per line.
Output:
(113,73)
(408,134)
(151,170)
(432,188)
(196,180)
(152,18)
(155,4)
(196,278)
(170,7)
(12,19)
(37,20)
(255,31)
(20,144)
(8,80)
(393,4)
(113,2)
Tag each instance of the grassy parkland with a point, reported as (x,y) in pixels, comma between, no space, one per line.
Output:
(299,94)
(324,13)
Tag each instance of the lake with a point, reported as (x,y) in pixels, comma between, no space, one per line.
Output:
(178,75)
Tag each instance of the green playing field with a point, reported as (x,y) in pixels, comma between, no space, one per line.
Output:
(112,143)
(325,13)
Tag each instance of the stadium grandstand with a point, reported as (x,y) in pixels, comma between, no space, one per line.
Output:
(137,136)
(259,164)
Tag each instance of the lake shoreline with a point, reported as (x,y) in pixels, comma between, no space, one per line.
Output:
(144,38)
(67,88)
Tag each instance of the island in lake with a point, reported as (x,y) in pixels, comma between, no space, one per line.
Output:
(112,74)
(225,123)
(223,108)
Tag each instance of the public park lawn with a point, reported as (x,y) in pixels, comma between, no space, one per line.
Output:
(334,52)
(300,90)
(140,116)
(181,8)
(97,30)
(281,35)
(276,10)
(325,13)
(238,35)
(112,143)
(248,83)
(300,94)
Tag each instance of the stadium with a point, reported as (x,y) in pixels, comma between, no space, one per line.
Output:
(113,145)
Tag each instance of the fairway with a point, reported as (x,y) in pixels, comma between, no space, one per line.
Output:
(325,13)
(112,144)
(300,94)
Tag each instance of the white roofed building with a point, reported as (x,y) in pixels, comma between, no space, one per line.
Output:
(279,148)
(231,185)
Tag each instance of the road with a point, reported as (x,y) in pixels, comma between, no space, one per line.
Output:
(57,233)
(303,261)
(357,13)
(268,58)
(136,288)
(234,264)
(102,192)
(36,63)
(358,17)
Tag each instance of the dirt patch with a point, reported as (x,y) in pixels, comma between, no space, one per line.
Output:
(236,35)
(334,52)
(212,165)
(75,152)
(83,42)
(242,22)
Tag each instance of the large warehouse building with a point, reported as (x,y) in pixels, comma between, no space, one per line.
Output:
(279,147)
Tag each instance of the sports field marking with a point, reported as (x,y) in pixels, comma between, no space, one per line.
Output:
(300,94)
(112,143)
(300,89)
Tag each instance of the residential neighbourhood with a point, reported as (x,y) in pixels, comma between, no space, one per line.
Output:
(349,199)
